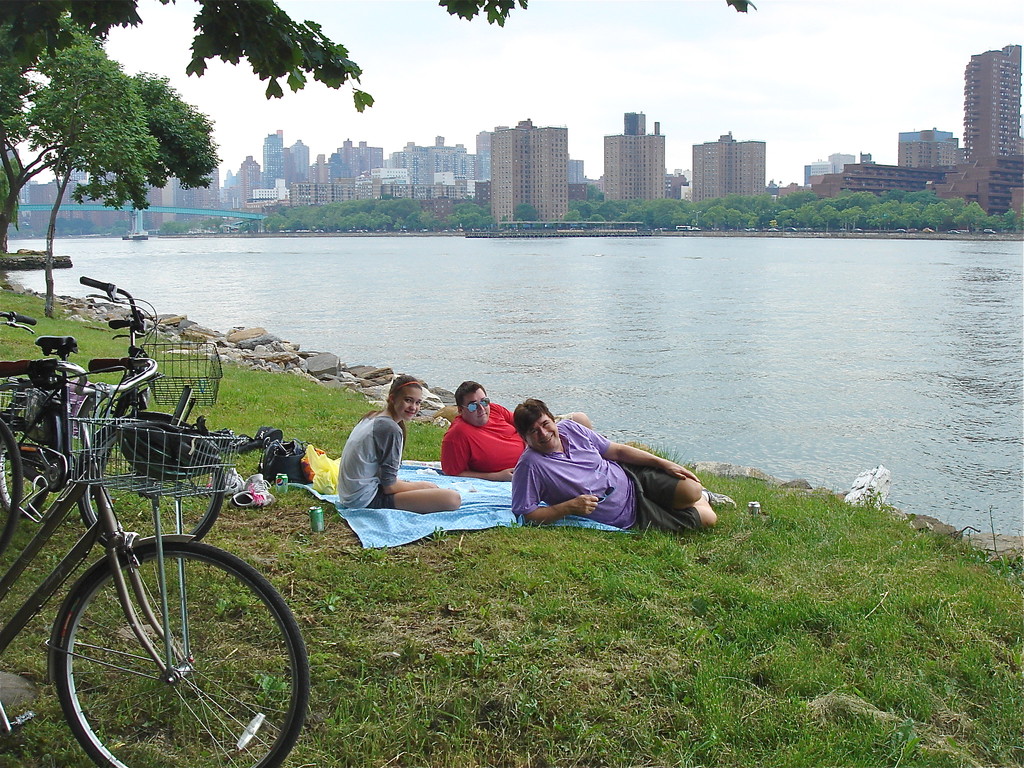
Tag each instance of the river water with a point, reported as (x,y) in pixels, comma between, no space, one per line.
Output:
(803,357)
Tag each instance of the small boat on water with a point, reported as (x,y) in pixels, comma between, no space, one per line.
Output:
(136,236)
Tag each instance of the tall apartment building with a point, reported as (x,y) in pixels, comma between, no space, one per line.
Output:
(352,160)
(728,167)
(273,159)
(929,149)
(634,162)
(992,104)
(423,162)
(529,166)
(249,178)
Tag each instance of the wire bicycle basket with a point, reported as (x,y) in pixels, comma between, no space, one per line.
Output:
(19,403)
(152,457)
(194,365)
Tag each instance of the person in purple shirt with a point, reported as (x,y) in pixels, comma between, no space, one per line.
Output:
(568,469)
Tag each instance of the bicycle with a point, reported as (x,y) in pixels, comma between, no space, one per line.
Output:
(11,472)
(167,650)
(51,391)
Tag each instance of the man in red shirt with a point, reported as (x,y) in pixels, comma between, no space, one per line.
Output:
(482,442)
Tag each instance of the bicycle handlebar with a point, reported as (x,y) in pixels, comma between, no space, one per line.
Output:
(15,317)
(109,289)
(136,323)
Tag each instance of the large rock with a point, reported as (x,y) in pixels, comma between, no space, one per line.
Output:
(370,373)
(15,692)
(244,334)
(323,364)
(257,341)
(723,469)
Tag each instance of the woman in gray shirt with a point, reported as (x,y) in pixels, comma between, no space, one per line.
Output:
(368,472)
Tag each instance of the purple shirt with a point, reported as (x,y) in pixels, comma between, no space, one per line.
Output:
(551,478)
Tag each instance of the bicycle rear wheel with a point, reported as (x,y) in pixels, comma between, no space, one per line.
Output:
(244,675)
(11,484)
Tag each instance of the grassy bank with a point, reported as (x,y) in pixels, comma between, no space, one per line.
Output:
(815,635)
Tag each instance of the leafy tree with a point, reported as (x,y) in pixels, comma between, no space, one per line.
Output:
(175,228)
(184,146)
(78,111)
(526,212)
(851,217)
(470,216)
(971,216)
(828,216)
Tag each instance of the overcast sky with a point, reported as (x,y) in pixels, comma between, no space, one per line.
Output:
(808,77)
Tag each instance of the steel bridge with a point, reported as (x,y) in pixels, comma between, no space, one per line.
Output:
(71,207)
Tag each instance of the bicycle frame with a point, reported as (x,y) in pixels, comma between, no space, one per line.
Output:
(118,545)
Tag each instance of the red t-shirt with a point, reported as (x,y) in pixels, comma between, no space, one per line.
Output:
(491,448)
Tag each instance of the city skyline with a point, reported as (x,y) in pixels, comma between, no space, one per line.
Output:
(698,67)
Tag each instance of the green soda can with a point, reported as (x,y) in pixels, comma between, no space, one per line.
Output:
(316,519)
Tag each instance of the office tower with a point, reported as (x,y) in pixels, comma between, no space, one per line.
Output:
(248,178)
(273,159)
(483,156)
(817,168)
(634,162)
(576,173)
(992,104)
(839,160)
(835,164)
(296,167)
(929,149)
(728,167)
(529,166)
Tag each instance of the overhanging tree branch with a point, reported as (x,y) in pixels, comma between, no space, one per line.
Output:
(276,47)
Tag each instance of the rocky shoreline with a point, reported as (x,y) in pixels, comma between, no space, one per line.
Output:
(259,349)
(25,259)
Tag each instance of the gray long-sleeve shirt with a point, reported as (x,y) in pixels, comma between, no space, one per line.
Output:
(369,460)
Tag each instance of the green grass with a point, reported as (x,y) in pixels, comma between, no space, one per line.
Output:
(815,635)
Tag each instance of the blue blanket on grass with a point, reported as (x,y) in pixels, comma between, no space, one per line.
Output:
(485,504)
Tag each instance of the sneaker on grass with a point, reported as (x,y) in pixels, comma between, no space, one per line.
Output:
(719,499)
(256,493)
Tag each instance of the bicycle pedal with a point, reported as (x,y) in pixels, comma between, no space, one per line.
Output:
(21,719)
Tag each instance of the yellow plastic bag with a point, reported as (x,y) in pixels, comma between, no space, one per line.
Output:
(324,469)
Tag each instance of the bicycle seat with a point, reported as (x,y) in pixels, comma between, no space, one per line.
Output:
(62,346)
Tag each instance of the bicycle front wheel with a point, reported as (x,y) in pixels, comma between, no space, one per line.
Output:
(198,512)
(11,484)
(242,674)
